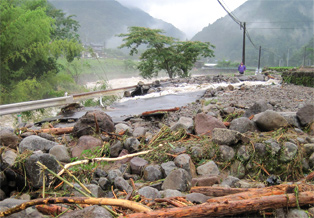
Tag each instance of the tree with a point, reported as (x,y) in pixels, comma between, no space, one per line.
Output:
(164,53)
(29,45)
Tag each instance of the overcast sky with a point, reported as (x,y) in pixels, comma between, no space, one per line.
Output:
(190,16)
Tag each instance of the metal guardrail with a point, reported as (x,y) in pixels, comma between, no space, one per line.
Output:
(53,102)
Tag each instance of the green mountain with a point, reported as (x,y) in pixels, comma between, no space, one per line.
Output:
(101,20)
(280,27)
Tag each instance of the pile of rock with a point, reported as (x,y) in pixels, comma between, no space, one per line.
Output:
(234,143)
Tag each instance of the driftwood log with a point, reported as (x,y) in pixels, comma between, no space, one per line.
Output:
(55,131)
(228,208)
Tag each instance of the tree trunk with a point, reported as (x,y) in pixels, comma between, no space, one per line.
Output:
(228,208)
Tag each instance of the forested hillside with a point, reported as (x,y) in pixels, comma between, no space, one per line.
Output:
(281,28)
(101,20)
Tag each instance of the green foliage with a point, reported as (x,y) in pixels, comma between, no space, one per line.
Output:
(29,49)
(164,53)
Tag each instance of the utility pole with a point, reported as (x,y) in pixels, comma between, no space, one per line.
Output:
(243,49)
(259,59)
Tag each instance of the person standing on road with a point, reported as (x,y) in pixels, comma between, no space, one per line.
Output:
(241,68)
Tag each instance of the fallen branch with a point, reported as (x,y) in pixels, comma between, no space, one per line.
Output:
(55,131)
(77,200)
(218,191)
(100,159)
(261,192)
(229,208)
(161,110)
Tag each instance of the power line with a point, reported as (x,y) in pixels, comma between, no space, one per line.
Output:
(280,28)
(233,18)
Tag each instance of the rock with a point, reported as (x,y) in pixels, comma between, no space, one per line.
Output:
(85,143)
(152,173)
(205,180)
(86,124)
(137,165)
(125,160)
(178,180)
(311,129)
(311,212)
(309,148)
(204,124)
(230,181)
(295,213)
(121,184)
(33,171)
(167,167)
(197,151)
(2,195)
(112,174)
(168,193)
(226,136)
(149,192)
(226,153)
(289,151)
(115,149)
(258,107)
(306,114)
(237,169)
(270,120)
(184,161)
(8,138)
(131,144)
(242,125)
(47,136)
(197,198)
(104,183)
(8,157)
(291,118)
(3,179)
(96,190)
(244,152)
(260,149)
(94,211)
(209,168)
(123,128)
(61,153)
(139,131)
(12,202)
(248,184)
(184,123)
(35,143)
(274,146)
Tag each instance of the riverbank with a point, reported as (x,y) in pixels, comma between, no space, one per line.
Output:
(240,137)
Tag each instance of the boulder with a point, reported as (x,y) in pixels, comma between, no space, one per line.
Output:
(209,168)
(289,150)
(179,180)
(113,174)
(96,190)
(197,198)
(242,125)
(258,107)
(205,180)
(131,144)
(8,138)
(273,146)
(149,192)
(137,165)
(121,184)
(33,171)
(204,124)
(291,118)
(86,125)
(226,153)
(85,143)
(35,143)
(61,153)
(184,161)
(167,167)
(270,120)
(296,213)
(230,181)
(168,193)
(184,123)
(94,211)
(237,169)
(306,114)
(115,149)
(244,152)
(123,128)
(224,136)
(152,173)
(139,131)
(8,157)
(309,148)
